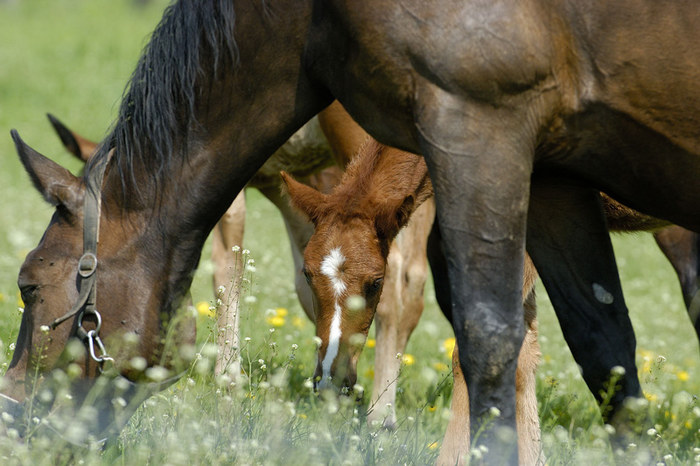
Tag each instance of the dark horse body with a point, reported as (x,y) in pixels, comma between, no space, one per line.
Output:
(524,110)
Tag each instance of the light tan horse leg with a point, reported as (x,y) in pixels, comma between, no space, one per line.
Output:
(228,269)
(399,310)
(455,445)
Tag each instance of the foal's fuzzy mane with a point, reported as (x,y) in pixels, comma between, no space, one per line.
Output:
(188,50)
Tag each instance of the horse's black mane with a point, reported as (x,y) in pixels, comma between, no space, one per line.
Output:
(191,45)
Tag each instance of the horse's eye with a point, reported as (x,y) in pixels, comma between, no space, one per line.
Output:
(373,287)
(28,293)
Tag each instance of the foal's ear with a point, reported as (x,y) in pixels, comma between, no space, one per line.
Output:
(394,214)
(73,142)
(55,183)
(302,197)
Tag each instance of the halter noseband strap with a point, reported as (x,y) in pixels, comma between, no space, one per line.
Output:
(87,265)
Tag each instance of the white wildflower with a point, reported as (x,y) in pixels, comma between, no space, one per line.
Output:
(618,371)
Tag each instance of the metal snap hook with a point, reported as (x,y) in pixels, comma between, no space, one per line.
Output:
(97,315)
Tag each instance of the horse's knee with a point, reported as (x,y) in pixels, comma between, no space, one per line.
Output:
(414,278)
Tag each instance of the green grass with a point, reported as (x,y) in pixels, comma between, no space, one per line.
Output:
(73,58)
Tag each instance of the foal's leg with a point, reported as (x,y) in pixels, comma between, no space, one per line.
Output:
(682,247)
(570,246)
(480,161)
(399,310)
(227,274)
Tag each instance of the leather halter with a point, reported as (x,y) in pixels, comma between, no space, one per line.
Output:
(87,265)
(87,277)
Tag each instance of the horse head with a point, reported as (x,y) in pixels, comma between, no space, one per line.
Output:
(74,323)
(345,259)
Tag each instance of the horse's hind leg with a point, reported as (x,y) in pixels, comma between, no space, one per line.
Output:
(682,247)
(480,161)
(227,277)
(399,310)
(570,245)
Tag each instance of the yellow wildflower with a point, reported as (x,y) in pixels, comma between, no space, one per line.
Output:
(650,397)
(432,445)
(432,408)
(371,343)
(449,346)
(440,366)
(281,312)
(369,373)
(408,359)
(683,376)
(298,322)
(204,309)
(20,303)
(275,321)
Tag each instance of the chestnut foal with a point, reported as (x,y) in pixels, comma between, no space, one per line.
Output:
(347,257)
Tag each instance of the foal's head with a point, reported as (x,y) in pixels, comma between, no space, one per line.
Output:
(345,259)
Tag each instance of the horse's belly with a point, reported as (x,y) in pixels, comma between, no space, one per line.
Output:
(633,163)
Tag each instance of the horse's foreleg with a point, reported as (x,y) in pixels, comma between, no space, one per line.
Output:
(480,161)
(454,448)
(570,246)
(399,310)
(227,281)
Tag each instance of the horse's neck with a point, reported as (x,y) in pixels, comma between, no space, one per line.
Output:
(231,136)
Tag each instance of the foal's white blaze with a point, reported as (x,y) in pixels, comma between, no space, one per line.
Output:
(331,268)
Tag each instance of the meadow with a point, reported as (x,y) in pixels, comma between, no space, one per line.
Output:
(73,58)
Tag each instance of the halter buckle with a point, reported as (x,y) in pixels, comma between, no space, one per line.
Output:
(87,264)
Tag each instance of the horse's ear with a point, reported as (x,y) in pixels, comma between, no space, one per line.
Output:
(55,183)
(302,197)
(73,142)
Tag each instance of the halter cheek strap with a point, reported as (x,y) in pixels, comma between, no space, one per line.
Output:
(87,265)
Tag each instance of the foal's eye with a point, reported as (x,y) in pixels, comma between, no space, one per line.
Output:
(373,287)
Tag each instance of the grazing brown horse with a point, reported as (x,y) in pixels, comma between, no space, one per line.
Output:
(524,111)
